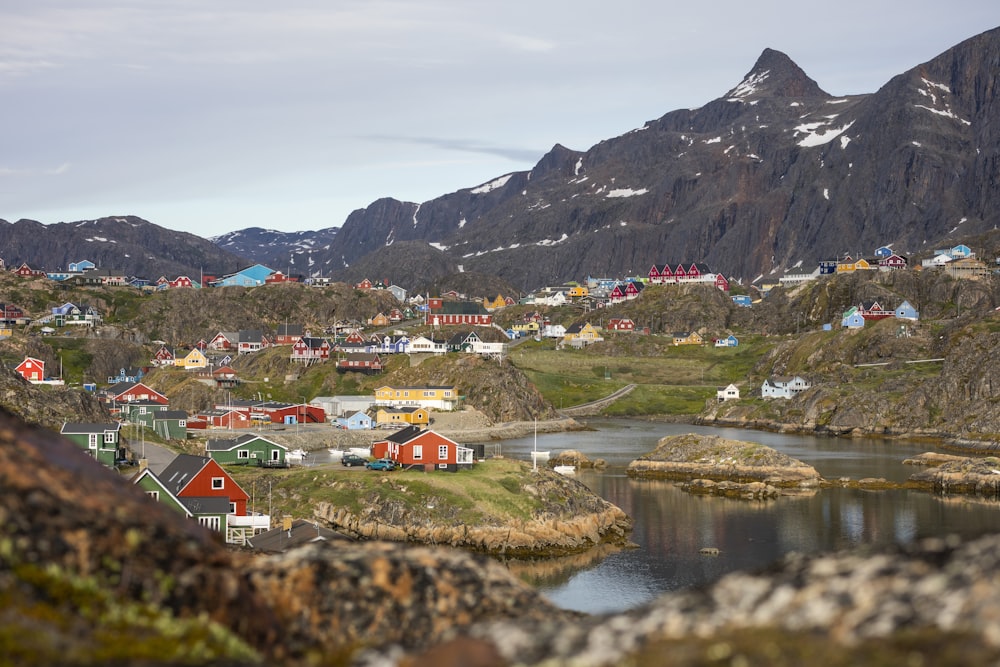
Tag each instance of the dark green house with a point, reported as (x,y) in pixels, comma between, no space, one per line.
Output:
(211,512)
(248,449)
(142,412)
(170,424)
(99,440)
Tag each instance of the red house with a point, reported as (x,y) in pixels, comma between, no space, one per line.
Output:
(364,284)
(621,324)
(31,369)
(362,362)
(189,476)
(163,357)
(661,274)
(26,271)
(617,294)
(413,447)
(131,392)
(224,340)
(279,277)
(892,262)
(309,349)
(226,419)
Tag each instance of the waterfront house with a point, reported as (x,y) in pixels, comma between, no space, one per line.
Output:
(355,421)
(402,416)
(432,397)
(728,393)
(247,449)
(427,449)
(783,387)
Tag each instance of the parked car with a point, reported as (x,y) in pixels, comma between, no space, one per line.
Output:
(381,464)
(350,460)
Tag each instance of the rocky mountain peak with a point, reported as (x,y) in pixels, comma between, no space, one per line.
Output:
(775,75)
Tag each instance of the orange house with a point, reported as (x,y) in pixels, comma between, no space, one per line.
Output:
(416,448)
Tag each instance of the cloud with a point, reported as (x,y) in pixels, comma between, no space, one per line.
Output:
(466,146)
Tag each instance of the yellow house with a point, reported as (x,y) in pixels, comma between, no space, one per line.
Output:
(380,320)
(526,327)
(429,397)
(687,338)
(577,291)
(583,332)
(192,360)
(850,266)
(496,303)
(402,416)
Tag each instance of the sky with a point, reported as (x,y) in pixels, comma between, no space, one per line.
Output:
(209,116)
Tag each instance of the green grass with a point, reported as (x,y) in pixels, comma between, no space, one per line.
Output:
(671,379)
(491,493)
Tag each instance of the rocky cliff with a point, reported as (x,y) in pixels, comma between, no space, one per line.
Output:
(772,173)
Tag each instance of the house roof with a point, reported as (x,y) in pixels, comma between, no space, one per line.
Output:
(76,427)
(278,540)
(405,435)
(223,445)
(290,329)
(179,472)
(312,342)
(206,504)
(170,414)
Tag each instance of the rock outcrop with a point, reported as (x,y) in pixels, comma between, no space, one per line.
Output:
(692,456)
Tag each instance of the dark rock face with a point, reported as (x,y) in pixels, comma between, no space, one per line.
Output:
(128,244)
(774,172)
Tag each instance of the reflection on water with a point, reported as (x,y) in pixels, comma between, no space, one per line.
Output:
(671,527)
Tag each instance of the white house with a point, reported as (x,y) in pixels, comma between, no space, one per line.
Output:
(783,387)
(553,331)
(729,393)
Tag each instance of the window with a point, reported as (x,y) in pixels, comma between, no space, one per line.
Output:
(92,440)
(243,454)
(442,452)
(443,466)
(155,495)
(218,483)
(210,522)
(418,452)
(182,423)
(232,508)
(110,437)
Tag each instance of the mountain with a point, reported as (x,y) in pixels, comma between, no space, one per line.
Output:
(124,243)
(285,251)
(775,173)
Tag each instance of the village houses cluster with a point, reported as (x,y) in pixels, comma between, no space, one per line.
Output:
(199,486)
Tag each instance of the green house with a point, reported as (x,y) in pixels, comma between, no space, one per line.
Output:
(170,424)
(213,513)
(99,440)
(142,412)
(248,449)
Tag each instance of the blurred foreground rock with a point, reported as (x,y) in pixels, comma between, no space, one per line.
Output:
(93,572)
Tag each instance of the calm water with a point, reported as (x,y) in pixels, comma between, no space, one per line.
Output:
(672,526)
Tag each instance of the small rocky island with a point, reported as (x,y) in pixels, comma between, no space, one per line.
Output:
(712,465)
(957,474)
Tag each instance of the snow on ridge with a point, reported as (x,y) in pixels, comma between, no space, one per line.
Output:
(461,223)
(748,86)
(415,211)
(946,113)
(626,192)
(550,242)
(492,185)
(438,246)
(818,138)
(717,140)
(578,167)
(100,239)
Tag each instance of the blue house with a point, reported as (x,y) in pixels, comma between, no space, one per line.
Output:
(355,421)
(905,311)
(248,277)
(126,375)
(742,300)
(883,252)
(827,267)
(853,319)
(80,267)
(728,341)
